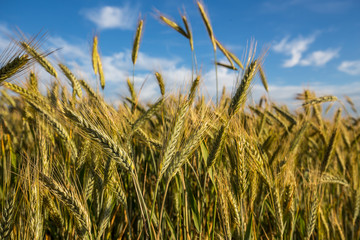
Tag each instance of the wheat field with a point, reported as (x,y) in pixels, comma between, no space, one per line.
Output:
(73,166)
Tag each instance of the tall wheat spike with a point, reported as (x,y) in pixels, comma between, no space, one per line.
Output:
(161,84)
(95,55)
(240,95)
(188,32)
(207,24)
(136,43)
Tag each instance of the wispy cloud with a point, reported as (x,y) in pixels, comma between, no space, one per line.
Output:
(4,40)
(293,48)
(112,17)
(319,58)
(350,67)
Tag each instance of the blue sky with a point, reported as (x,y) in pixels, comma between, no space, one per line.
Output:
(312,44)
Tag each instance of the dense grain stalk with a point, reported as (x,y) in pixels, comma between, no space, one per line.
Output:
(57,126)
(28,95)
(192,143)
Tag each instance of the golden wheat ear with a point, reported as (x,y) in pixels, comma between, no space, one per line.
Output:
(137,39)
(13,61)
(39,57)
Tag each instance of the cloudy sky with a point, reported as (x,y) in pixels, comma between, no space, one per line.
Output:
(312,44)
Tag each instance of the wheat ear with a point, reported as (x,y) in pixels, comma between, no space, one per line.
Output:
(71,202)
(136,43)
(160,81)
(13,66)
(188,31)
(75,83)
(174,26)
(207,24)
(95,55)
(8,214)
(241,93)
(320,100)
(103,139)
(39,58)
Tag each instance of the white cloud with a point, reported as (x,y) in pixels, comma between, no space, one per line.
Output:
(112,17)
(350,67)
(4,40)
(294,48)
(319,58)
(70,50)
